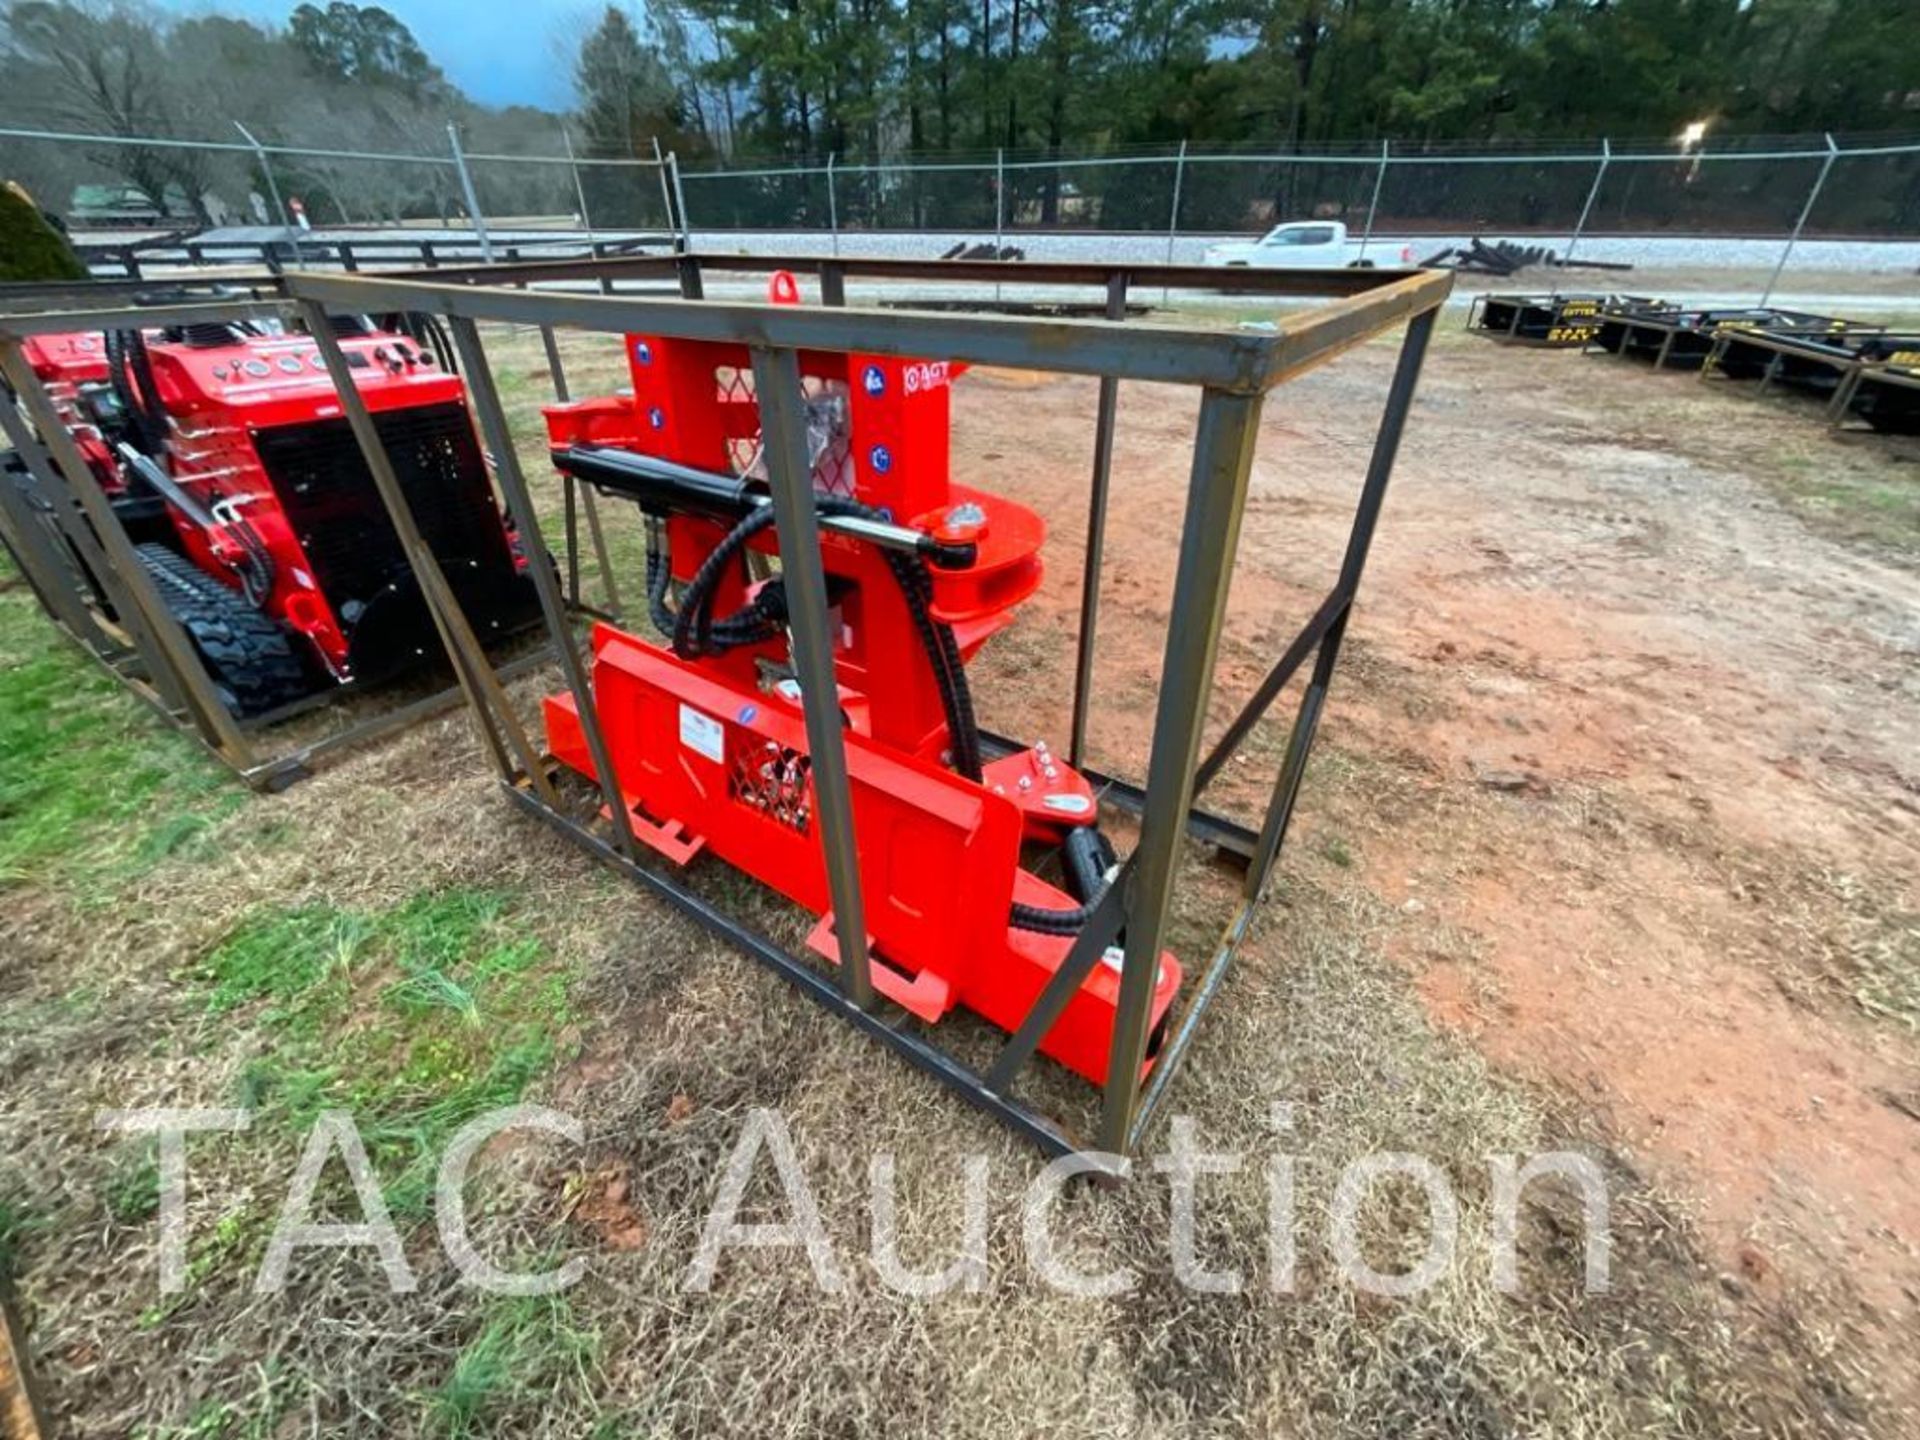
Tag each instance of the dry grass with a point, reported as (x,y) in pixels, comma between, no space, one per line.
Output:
(344,941)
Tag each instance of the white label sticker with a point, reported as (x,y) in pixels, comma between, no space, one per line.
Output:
(703,734)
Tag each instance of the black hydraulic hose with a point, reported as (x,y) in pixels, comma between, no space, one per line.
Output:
(1090,863)
(435,334)
(758,621)
(696,633)
(256,571)
(152,414)
(936,637)
(256,579)
(659,578)
(130,375)
(1089,858)
(694,627)
(1050,922)
(943,654)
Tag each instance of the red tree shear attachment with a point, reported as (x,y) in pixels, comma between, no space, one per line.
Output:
(706,734)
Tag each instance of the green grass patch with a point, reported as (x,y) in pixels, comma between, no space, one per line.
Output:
(230,1248)
(526,1349)
(132,1191)
(1336,851)
(415,1020)
(18,1222)
(298,959)
(91,787)
(1859,499)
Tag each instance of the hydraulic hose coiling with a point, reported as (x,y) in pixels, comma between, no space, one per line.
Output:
(1090,863)
(696,632)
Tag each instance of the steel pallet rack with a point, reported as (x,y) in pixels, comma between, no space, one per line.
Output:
(1233,369)
(1807,354)
(1884,391)
(1553,321)
(54,516)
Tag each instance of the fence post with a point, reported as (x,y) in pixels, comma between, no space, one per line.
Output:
(473,200)
(1173,215)
(1833,153)
(1593,194)
(833,205)
(579,190)
(265,168)
(999,200)
(680,198)
(666,193)
(999,209)
(1373,205)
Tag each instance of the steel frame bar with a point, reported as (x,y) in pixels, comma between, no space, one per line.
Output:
(1106,410)
(1332,612)
(1222,463)
(131,649)
(819,988)
(580,499)
(1209,538)
(1233,371)
(1229,837)
(776,383)
(55,577)
(31,549)
(264,289)
(1386,448)
(125,656)
(1841,405)
(127,636)
(506,469)
(1861,374)
(476,675)
(1096,935)
(1304,284)
(146,616)
(21,325)
(1593,194)
(120,655)
(1810,345)
(1231,361)
(1800,222)
(1321,636)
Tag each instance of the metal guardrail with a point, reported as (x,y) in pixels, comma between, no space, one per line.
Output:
(135,261)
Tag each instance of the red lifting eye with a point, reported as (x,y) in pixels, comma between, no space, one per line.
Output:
(783,289)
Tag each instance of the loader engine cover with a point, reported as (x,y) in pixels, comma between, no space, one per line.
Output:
(255,433)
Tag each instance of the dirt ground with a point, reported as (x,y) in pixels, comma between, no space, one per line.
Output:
(1609,845)
(1642,650)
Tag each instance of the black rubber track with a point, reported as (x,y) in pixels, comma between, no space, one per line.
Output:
(253,661)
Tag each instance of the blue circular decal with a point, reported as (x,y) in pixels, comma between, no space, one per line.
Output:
(657,418)
(643,352)
(747,712)
(873,380)
(881,459)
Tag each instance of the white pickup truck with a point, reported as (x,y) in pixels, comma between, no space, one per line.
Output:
(1305,245)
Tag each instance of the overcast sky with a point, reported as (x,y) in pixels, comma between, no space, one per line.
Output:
(500,54)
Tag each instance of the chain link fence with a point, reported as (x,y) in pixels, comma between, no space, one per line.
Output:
(1757,188)
(1873,192)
